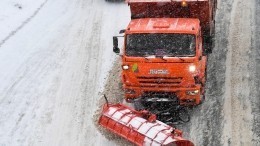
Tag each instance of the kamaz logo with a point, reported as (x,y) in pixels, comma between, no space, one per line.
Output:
(158,71)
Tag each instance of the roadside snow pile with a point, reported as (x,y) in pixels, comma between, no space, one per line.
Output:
(114,93)
(14,14)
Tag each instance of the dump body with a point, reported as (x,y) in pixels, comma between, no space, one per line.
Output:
(140,128)
(203,10)
(165,49)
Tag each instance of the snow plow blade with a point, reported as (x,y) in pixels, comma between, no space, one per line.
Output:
(140,127)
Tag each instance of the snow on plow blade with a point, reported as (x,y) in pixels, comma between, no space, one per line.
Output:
(140,128)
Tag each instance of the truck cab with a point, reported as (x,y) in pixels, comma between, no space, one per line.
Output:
(164,55)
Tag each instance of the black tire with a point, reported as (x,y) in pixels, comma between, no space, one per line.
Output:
(203,96)
(202,99)
(183,115)
(138,106)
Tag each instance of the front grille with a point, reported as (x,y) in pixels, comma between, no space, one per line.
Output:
(160,96)
(145,81)
(149,93)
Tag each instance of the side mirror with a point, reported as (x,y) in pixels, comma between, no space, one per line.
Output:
(122,31)
(115,45)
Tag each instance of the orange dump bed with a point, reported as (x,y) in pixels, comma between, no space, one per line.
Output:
(204,10)
(140,128)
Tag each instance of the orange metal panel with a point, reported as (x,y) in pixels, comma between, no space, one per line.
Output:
(147,1)
(168,25)
(139,130)
(201,10)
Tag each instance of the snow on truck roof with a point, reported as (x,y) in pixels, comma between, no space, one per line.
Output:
(135,1)
(176,25)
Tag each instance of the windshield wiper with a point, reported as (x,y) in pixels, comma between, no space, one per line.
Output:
(147,57)
(174,56)
(162,57)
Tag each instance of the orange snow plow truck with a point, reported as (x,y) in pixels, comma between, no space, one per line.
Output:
(164,54)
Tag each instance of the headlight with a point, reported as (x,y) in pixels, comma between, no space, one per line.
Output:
(192,68)
(194,92)
(125,67)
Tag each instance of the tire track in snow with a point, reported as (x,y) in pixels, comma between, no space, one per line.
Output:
(254,65)
(23,24)
(237,106)
(206,119)
(93,63)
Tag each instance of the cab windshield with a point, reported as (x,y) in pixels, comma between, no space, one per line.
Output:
(142,45)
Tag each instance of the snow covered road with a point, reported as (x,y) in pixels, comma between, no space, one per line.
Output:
(51,70)
(54,60)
